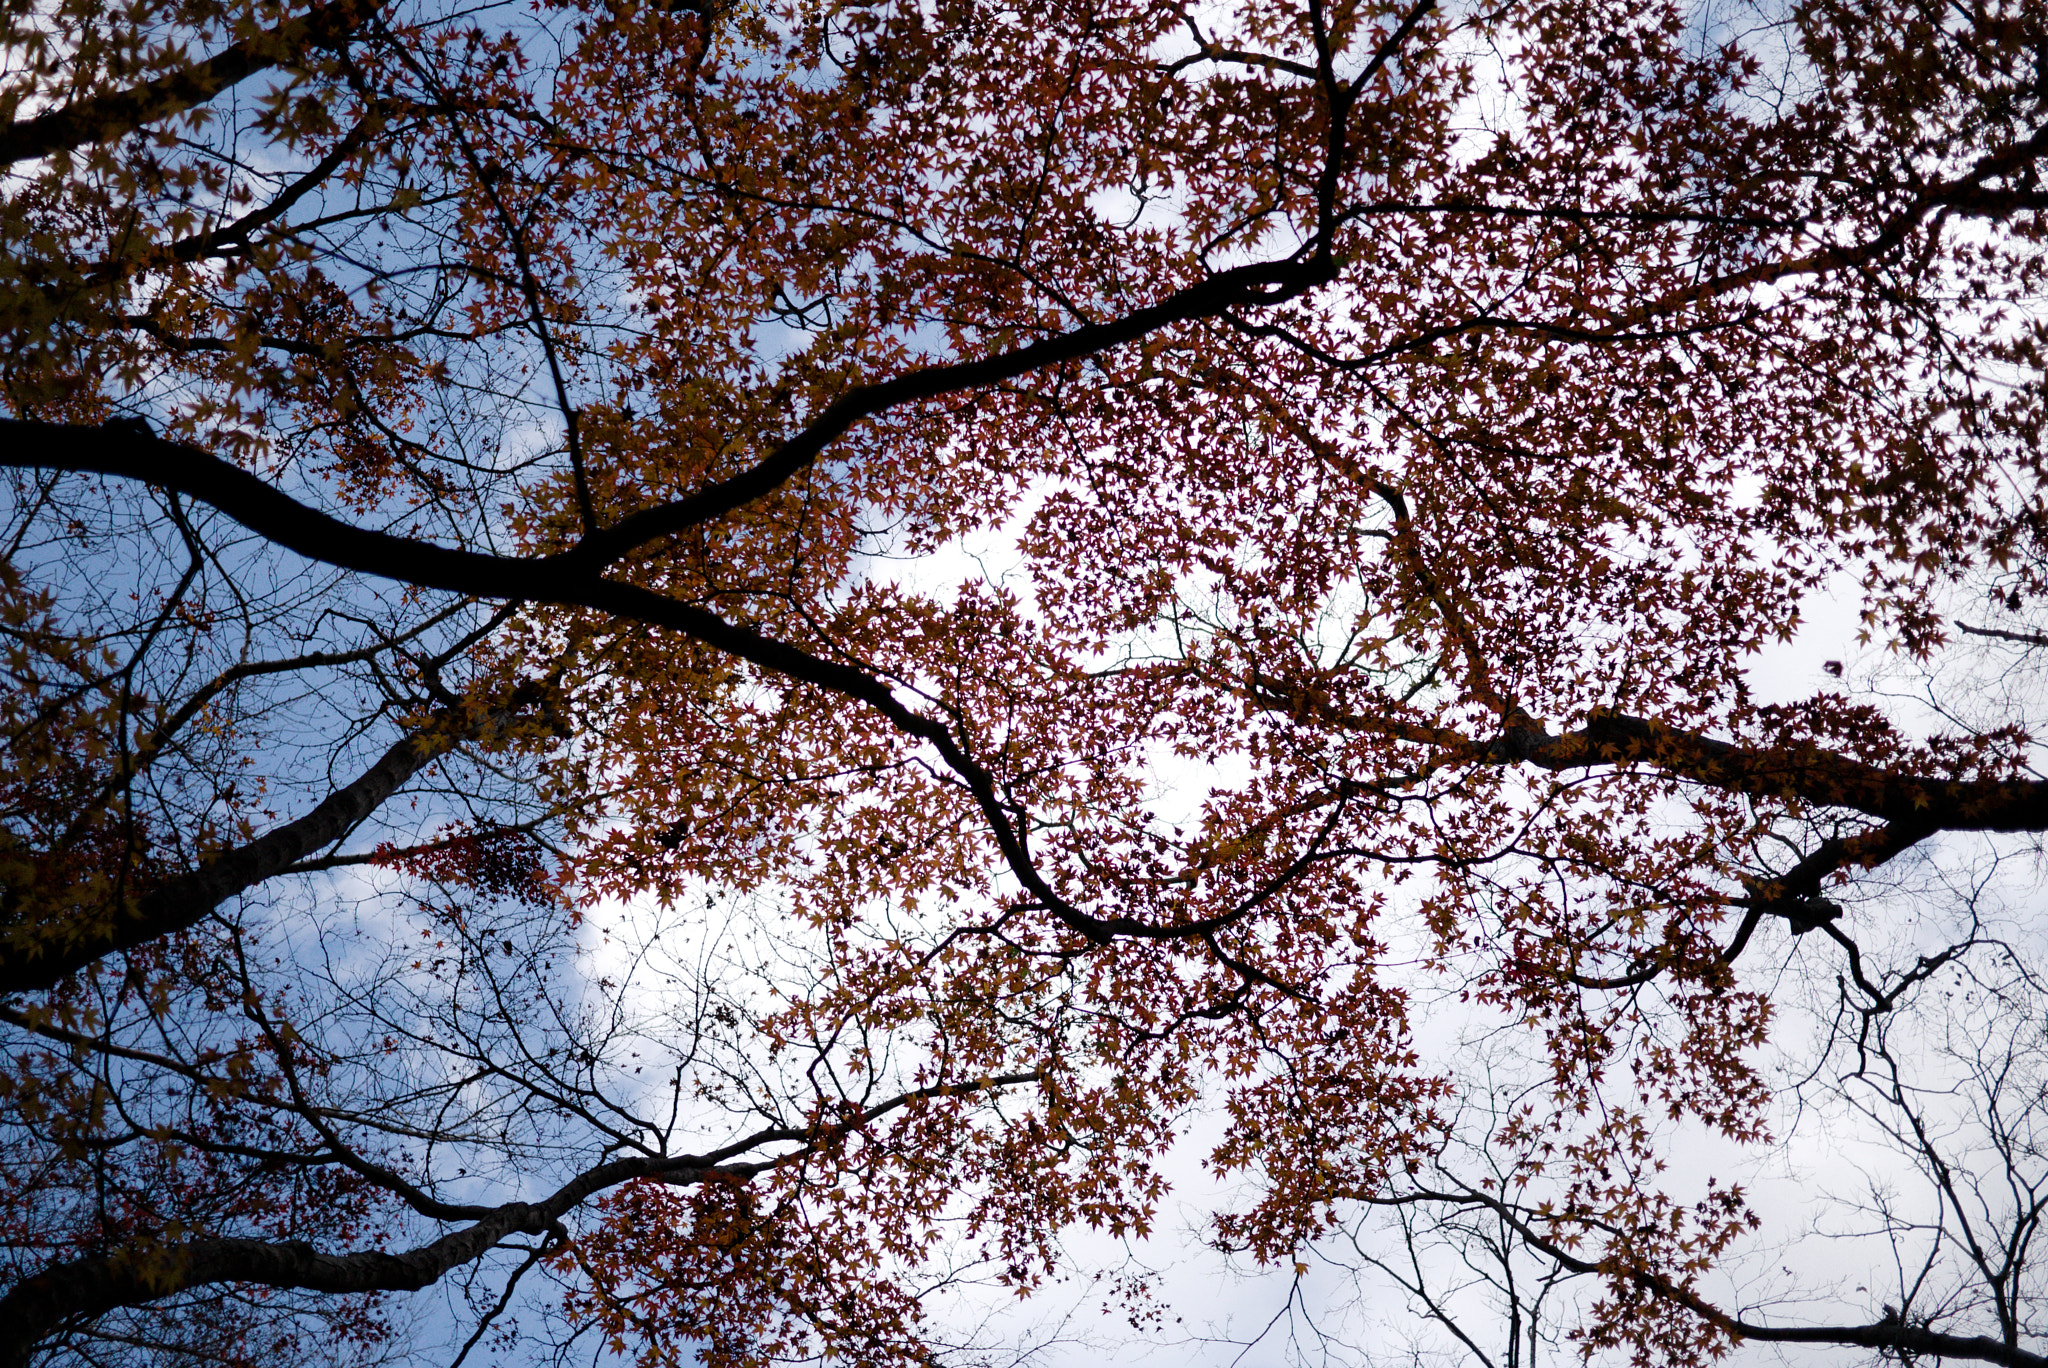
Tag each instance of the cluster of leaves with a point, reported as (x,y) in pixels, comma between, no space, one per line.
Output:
(1160,549)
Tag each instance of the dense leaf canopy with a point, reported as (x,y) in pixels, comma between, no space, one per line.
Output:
(711,672)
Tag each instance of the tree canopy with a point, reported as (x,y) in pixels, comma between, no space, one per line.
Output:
(713,671)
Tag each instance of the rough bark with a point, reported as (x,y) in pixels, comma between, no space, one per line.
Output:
(1806,772)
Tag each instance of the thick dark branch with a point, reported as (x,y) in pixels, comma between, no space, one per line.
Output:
(1973,193)
(1912,804)
(128,449)
(1795,895)
(37,954)
(1227,56)
(79,1291)
(1259,283)
(2023,638)
(84,1289)
(568,579)
(106,117)
(1905,1340)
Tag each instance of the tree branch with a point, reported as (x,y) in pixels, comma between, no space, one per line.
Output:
(568,579)
(1258,283)
(40,1306)
(38,954)
(106,117)
(2024,638)
(1910,803)
(1897,1335)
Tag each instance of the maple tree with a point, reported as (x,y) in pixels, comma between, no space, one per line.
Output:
(736,657)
